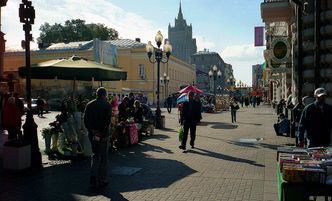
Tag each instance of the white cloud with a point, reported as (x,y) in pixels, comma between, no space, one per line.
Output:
(242,57)
(129,25)
(203,43)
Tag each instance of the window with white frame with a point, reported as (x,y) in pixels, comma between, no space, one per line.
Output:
(141,71)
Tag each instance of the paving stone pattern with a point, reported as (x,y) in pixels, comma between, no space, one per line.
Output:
(220,167)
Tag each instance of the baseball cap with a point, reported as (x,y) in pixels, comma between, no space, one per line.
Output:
(320,92)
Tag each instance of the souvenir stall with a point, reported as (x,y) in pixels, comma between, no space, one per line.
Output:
(304,173)
(222,102)
(67,135)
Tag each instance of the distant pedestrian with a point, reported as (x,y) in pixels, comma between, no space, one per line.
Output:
(40,105)
(190,115)
(97,119)
(246,101)
(242,101)
(315,123)
(253,101)
(169,101)
(11,119)
(19,103)
(234,108)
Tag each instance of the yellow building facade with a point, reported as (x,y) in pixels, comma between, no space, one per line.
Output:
(131,57)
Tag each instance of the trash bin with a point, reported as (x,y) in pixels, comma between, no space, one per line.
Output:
(16,155)
(162,121)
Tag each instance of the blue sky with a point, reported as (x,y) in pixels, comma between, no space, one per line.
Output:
(223,26)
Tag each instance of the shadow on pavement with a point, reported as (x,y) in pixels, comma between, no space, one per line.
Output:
(218,125)
(143,147)
(248,123)
(69,179)
(156,136)
(267,114)
(222,156)
(242,144)
(257,145)
(169,130)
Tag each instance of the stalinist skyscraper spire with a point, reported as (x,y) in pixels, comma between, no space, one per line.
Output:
(181,38)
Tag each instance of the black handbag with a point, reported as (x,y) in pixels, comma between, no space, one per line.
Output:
(237,107)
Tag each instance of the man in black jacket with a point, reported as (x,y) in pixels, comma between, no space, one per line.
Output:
(191,114)
(315,123)
(97,119)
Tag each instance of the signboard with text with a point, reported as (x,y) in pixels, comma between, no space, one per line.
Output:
(280,50)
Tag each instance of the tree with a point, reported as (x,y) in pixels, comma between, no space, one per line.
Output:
(74,30)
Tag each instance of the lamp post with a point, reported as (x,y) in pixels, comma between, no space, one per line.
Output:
(165,79)
(214,72)
(159,56)
(231,83)
(219,89)
(27,16)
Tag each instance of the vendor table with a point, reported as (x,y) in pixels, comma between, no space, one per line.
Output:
(288,191)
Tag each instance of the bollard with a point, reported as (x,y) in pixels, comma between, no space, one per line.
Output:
(30,135)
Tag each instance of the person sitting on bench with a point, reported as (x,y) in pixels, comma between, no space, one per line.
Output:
(282,126)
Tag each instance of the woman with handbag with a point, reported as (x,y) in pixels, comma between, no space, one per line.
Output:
(234,108)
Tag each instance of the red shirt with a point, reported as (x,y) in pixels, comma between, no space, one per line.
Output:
(11,116)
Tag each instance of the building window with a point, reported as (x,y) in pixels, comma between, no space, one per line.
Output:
(141,71)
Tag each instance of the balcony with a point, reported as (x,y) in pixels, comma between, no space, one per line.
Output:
(277,11)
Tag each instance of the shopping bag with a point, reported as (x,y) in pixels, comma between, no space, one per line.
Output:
(237,107)
(181,131)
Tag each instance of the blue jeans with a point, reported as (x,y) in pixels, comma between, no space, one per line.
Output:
(233,115)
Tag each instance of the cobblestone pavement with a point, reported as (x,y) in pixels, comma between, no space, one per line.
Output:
(230,162)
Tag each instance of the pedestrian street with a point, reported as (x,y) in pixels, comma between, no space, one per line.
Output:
(230,161)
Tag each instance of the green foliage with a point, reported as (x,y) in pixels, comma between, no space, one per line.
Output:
(74,30)
(46,132)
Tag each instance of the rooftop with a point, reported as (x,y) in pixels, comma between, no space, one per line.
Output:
(127,43)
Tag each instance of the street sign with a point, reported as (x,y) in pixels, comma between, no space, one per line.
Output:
(280,50)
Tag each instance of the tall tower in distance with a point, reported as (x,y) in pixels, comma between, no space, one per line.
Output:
(181,38)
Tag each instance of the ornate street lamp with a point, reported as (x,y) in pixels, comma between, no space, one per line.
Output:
(214,73)
(219,89)
(27,16)
(159,56)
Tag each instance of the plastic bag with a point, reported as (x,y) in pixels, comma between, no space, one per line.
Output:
(181,131)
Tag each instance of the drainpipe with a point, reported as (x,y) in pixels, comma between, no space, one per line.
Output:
(317,44)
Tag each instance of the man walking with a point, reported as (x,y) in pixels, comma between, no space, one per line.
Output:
(40,105)
(315,125)
(190,115)
(97,119)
